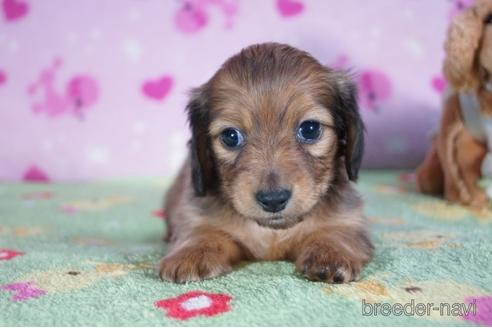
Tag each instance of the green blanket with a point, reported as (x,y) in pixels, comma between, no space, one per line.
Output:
(84,254)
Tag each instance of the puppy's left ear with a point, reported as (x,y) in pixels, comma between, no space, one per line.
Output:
(464,37)
(203,174)
(350,126)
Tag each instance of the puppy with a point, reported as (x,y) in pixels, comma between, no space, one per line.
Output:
(276,139)
(461,152)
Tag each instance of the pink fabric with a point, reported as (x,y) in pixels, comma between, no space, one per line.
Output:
(96,88)
(482,314)
(22,291)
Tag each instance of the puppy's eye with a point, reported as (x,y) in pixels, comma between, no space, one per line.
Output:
(308,132)
(488,19)
(232,138)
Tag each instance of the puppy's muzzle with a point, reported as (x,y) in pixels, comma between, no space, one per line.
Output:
(273,200)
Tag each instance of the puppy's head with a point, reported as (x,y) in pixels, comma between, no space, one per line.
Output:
(468,62)
(269,132)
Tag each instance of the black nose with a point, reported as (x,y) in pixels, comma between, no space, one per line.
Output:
(273,200)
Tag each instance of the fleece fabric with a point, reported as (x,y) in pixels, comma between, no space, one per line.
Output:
(84,254)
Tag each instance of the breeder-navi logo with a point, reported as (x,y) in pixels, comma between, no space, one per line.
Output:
(419,309)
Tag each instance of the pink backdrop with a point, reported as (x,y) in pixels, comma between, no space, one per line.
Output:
(96,88)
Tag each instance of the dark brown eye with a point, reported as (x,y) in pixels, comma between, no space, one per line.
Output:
(308,132)
(232,138)
(488,19)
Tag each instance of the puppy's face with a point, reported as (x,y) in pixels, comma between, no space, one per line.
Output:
(485,54)
(273,123)
(468,62)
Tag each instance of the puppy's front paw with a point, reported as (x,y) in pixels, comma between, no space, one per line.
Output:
(479,200)
(326,264)
(192,264)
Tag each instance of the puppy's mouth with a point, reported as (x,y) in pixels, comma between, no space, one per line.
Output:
(279,222)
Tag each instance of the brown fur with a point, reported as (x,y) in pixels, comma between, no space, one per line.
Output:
(452,165)
(266,91)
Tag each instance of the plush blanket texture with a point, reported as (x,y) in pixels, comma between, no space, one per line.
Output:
(84,254)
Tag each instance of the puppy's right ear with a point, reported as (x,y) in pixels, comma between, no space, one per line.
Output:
(462,42)
(202,163)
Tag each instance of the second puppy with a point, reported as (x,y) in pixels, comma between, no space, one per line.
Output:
(276,139)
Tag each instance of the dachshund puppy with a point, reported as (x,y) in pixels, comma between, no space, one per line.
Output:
(276,139)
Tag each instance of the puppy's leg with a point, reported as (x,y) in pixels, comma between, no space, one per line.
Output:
(448,145)
(455,189)
(464,170)
(205,253)
(334,255)
(430,177)
(470,154)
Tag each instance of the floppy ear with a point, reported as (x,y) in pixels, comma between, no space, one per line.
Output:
(202,162)
(462,43)
(351,128)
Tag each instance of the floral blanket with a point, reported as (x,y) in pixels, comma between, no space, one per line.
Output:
(84,254)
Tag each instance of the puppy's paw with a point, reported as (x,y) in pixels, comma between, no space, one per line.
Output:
(328,265)
(479,200)
(192,264)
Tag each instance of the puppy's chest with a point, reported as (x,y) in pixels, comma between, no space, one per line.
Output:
(264,243)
